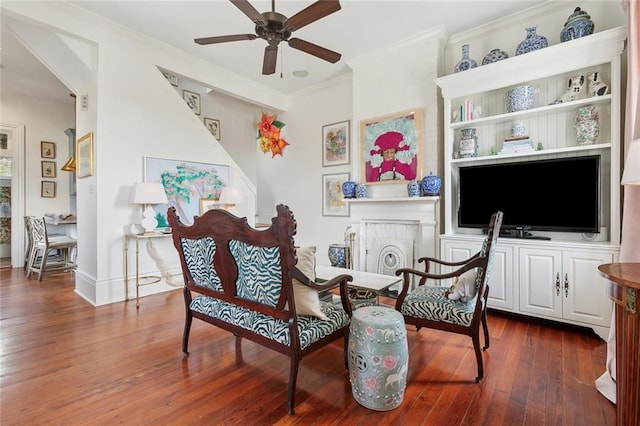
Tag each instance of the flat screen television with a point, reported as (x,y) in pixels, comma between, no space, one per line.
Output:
(560,195)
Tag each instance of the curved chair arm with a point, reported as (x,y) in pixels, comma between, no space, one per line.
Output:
(427,260)
(476,261)
(341,281)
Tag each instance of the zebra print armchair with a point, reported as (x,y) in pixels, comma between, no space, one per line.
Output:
(432,306)
(240,279)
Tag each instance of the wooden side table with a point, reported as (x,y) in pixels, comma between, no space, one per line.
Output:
(624,290)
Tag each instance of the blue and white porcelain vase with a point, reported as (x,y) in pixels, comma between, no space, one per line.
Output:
(587,125)
(579,24)
(431,185)
(466,63)
(468,145)
(413,188)
(338,255)
(349,189)
(532,42)
(361,190)
(494,56)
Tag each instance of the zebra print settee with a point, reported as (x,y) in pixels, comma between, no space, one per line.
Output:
(240,279)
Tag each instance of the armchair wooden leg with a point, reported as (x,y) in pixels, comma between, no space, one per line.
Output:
(476,348)
(293,376)
(485,329)
(185,335)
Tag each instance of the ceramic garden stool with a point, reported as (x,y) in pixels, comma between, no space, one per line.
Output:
(378,357)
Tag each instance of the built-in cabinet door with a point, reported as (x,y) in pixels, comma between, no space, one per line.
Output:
(585,297)
(541,285)
(501,275)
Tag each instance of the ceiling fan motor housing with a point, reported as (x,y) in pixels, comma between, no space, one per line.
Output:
(274,32)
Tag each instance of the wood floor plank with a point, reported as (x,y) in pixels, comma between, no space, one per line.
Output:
(63,361)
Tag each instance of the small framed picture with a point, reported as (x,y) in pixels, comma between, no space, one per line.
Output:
(333,203)
(48,169)
(336,144)
(48,189)
(47,149)
(172,78)
(193,100)
(207,204)
(84,156)
(214,126)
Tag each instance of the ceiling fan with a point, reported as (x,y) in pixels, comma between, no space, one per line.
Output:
(275,27)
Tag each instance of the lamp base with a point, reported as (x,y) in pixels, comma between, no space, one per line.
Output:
(149,223)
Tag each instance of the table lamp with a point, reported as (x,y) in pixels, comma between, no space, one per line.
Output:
(148,193)
(229,197)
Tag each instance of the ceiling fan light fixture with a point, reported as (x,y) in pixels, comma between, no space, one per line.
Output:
(300,73)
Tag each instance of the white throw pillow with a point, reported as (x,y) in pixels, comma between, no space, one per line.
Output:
(464,287)
(307,300)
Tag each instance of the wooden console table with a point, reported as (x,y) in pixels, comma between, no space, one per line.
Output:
(624,290)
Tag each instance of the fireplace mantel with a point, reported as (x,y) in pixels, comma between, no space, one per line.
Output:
(419,210)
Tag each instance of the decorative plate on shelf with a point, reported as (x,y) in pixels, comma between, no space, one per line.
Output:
(494,56)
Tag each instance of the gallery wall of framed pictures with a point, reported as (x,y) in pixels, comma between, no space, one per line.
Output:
(336,151)
(48,169)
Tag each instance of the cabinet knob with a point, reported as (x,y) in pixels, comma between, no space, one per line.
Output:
(557,284)
(566,285)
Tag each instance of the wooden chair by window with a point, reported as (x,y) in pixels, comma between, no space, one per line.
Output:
(460,308)
(41,246)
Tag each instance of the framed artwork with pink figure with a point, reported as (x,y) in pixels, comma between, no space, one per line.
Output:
(391,147)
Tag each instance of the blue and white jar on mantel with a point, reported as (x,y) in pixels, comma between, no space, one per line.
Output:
(532,42)
(349,189)
(431,185)
(361,190)
(413,188)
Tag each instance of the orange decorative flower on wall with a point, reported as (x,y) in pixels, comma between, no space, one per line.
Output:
(270,135)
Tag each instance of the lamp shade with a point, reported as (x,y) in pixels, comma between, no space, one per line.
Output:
(230,196)
(631,174)
(148,193)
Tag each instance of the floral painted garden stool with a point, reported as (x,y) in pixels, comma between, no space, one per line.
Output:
(378,357)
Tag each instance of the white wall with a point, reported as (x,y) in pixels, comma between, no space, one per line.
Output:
(295,178)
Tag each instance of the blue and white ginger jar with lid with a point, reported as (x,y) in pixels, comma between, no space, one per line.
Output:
(431,185)
(349,189)
(579,24)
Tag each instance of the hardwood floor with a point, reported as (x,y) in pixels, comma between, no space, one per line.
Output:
(63,361)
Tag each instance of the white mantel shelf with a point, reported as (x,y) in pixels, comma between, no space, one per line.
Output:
(392,199)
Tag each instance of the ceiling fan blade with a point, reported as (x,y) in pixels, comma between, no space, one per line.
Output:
(315,50)
(224,39)
(270,58)
(312,13)
(250,11)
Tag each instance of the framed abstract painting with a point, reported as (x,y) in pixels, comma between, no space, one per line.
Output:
(333,203)
(336,143)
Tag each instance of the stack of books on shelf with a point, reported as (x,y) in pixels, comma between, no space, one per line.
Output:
(516,145)
(466,112)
